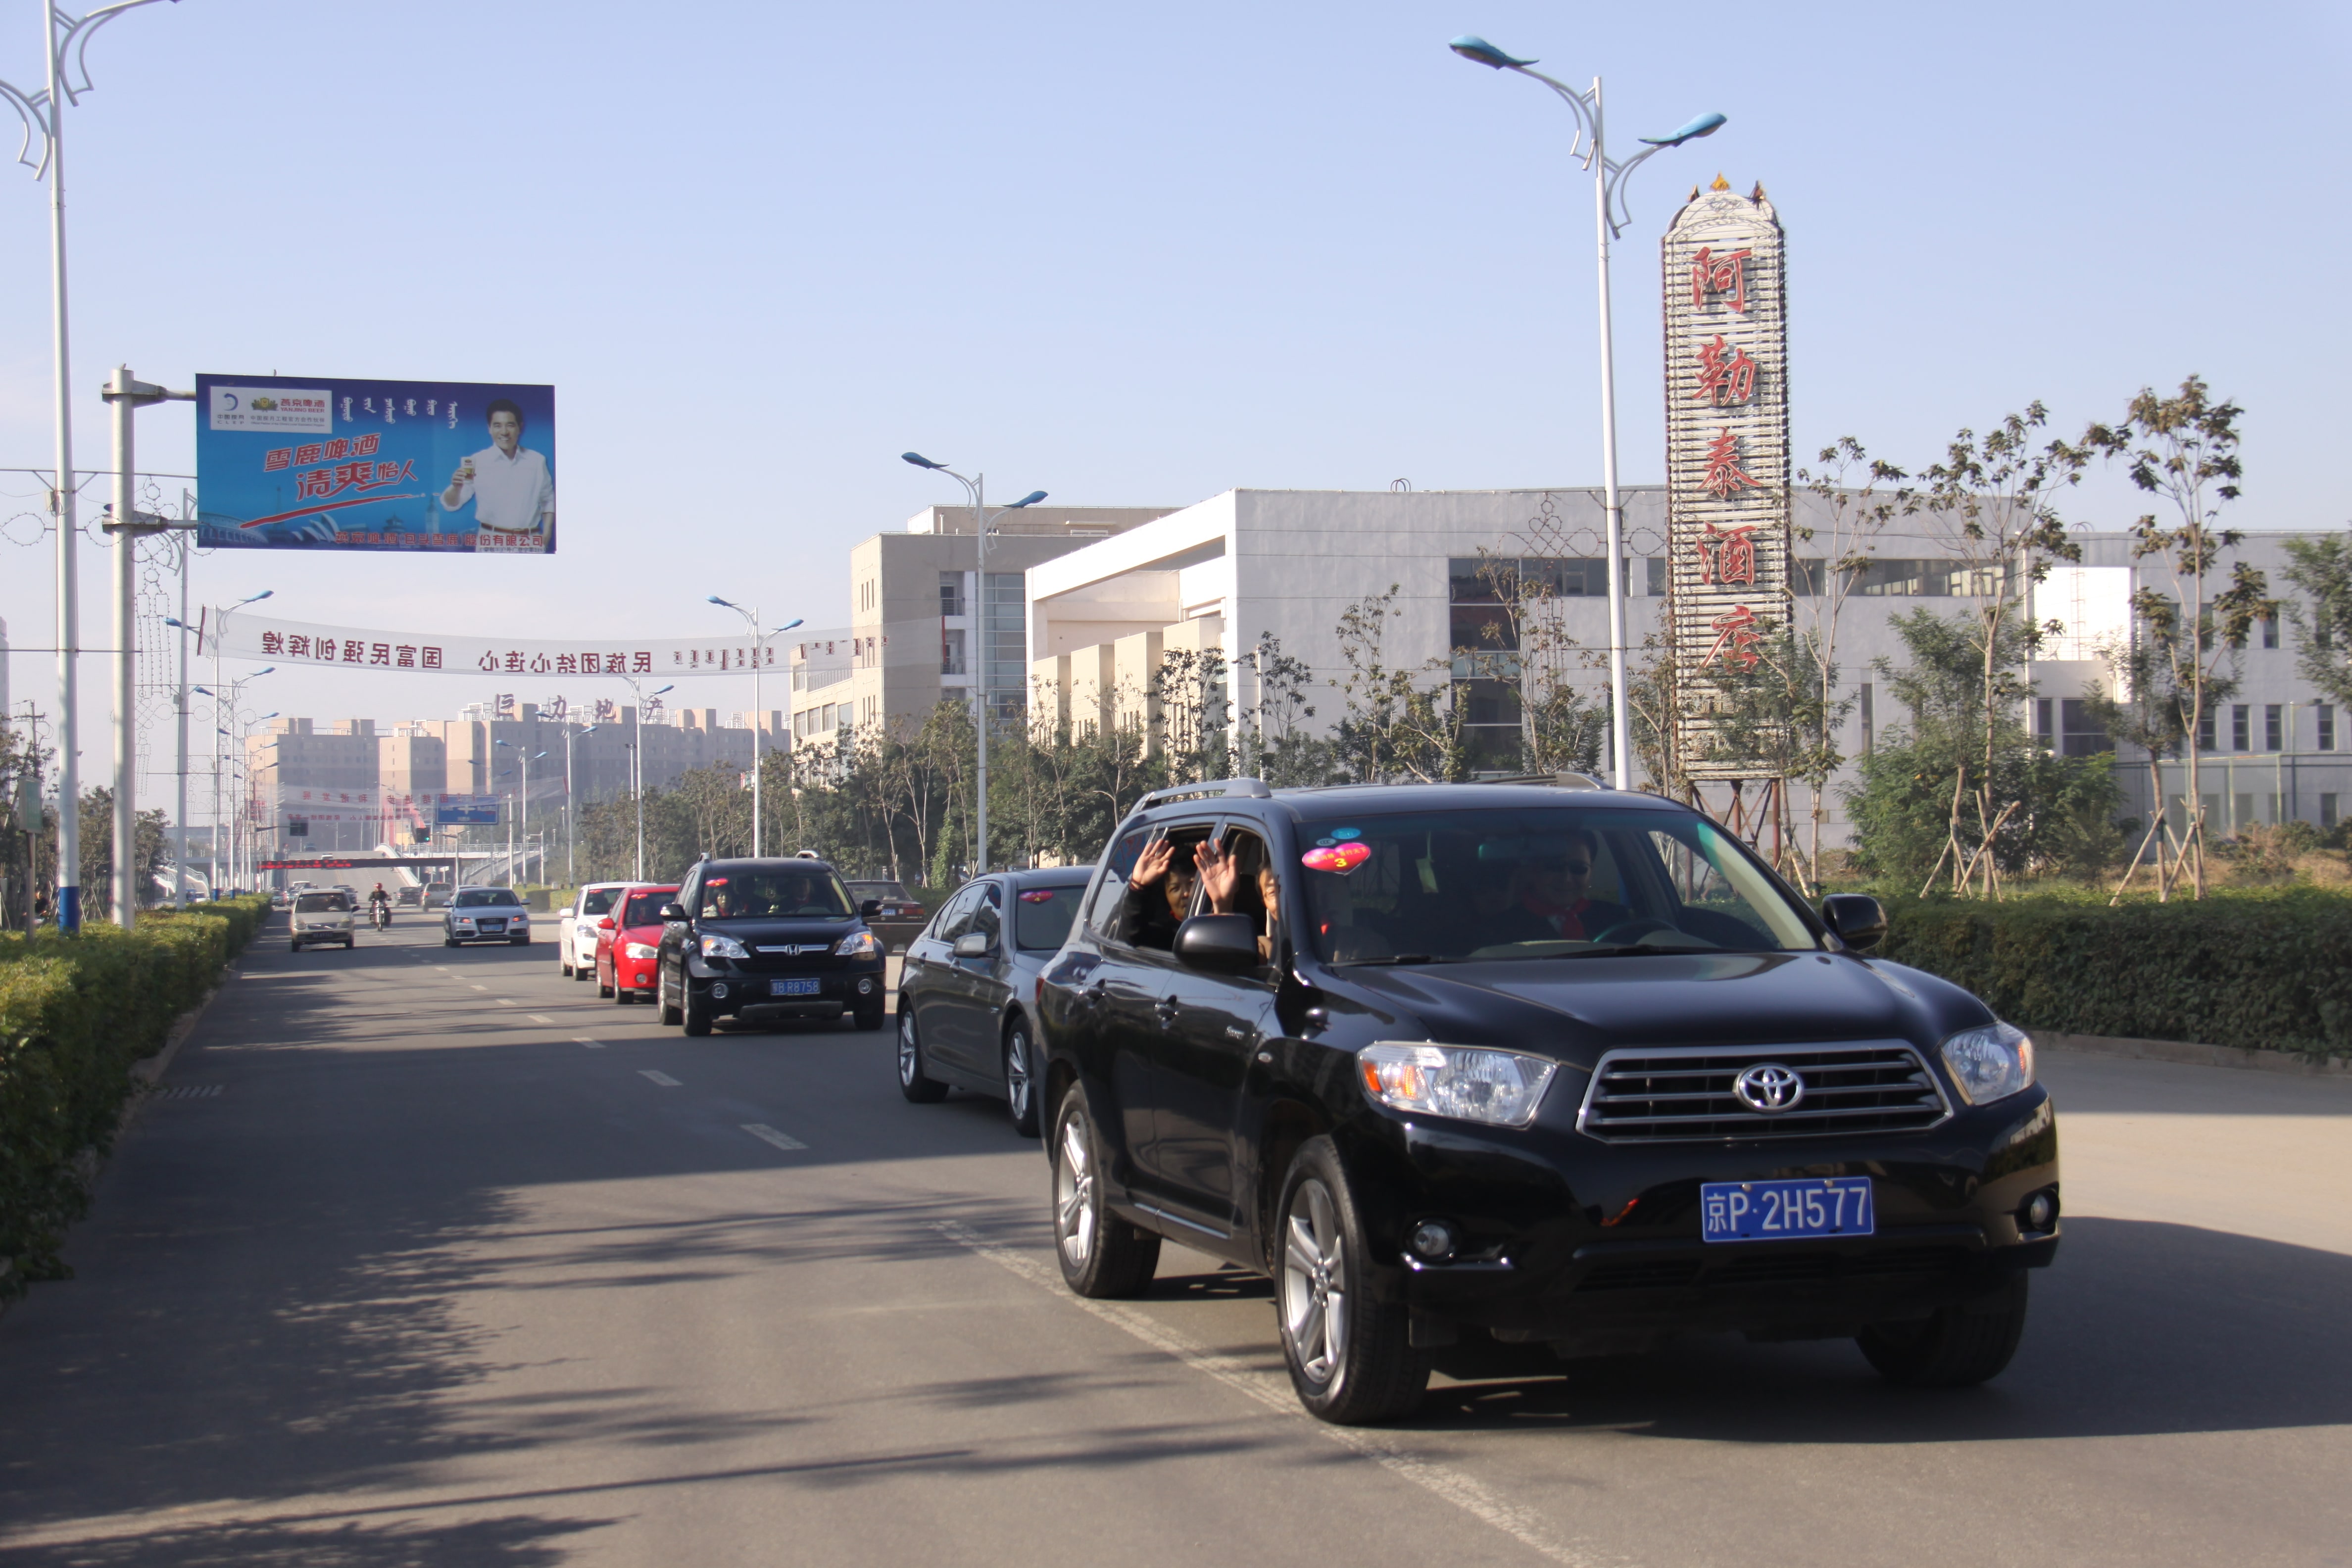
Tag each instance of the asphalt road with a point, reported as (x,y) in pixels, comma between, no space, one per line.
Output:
(429,1258)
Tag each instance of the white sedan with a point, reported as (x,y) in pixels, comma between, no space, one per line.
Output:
(575,929)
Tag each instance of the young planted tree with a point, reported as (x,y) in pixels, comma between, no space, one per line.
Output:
(1858,515)
(2322,568)
(1398,725)
(2184,449)
(1992,500)
(1273,741)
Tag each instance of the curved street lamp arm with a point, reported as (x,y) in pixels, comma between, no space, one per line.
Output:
(1588,143)
(71,43)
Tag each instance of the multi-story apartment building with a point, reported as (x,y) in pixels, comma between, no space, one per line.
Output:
(924,624)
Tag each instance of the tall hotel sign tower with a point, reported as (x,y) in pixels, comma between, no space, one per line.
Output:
(1727,469)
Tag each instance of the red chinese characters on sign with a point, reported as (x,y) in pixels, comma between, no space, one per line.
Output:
(1724,474)
(1736,637)
(1728,555)
(1726,374)
(1711,274)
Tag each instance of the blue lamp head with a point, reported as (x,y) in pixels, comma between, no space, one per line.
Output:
(920,460)
(265,670)
(665,688)
(788,626)
(1705,125)
(1471,46)
(201,690)
(174,621)
(715,599)
(1031,499)
(265,593)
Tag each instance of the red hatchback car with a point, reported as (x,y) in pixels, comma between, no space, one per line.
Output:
(625,946)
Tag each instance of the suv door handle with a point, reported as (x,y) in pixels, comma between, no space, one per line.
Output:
(1166,1007)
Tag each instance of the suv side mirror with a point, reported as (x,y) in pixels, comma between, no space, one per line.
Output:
(869,909)
(1222,945)
(1856,919)
(671,913)
(565,913)
(972,945)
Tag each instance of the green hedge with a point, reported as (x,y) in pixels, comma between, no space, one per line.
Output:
(75,1014)
(2265,970)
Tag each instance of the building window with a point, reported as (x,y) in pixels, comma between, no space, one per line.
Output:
(2327,811)
(951,594)
(2270,631)
(1869,725)
(2044,711)
(2326,713)
(951,652)
(2079,735)
(2273,727)
(1005,640)
(2242,727)
(2205,730)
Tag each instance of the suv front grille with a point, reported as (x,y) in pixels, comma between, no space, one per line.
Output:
(1686,1092)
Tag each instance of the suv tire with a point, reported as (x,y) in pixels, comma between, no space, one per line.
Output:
(697,1014)
(1958,1347)
(1352,1357)
(913,1081)
(1103,1257)
(671,1017)
(1020,1078)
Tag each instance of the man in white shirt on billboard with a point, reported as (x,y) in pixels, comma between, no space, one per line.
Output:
(513,493)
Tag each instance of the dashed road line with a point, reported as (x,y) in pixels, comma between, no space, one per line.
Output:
(540,1018)
(1464,1491)
(505,1001)
(660,1077)
(767,1134)
(591,1045)
(481,988)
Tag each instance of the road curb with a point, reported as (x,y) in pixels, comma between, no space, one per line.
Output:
(2196,1055)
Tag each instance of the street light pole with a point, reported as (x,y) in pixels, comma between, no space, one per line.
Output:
(1609,177)
(637,763)
(976,486)
(65,45)
(758,656)
(570,807)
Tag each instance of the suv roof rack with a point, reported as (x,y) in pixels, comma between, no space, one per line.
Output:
(1562,780)
(1212,789)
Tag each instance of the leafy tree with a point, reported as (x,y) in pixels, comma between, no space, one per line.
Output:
(2184,449)
(1399,725)
(2323,569)
(151,844)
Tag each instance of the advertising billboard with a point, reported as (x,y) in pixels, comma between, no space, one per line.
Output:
(288,462)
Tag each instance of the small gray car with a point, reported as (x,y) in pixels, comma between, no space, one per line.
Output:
(967,997)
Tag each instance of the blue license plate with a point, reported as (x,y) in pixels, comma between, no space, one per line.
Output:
(1778,1211)
(795,988)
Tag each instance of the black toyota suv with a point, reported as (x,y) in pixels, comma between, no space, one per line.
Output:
(765,940)
(1545,1064)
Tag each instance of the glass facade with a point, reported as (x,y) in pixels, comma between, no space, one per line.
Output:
(1004,642)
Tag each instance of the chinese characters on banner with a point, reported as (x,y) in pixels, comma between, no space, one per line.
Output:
(1728,469)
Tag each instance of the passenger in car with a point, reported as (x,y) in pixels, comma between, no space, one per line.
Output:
(1241,880)
(1158,895)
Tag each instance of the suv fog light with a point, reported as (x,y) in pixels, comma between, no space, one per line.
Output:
(1432,1241)
(2041,1210)
(719,991)
(866,988)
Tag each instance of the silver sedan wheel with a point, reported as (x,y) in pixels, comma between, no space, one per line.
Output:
(1016,1075)
(910,1063)
(1074,1193)
(1314,1281)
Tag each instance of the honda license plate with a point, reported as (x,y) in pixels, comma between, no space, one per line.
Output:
(795,988)
(1777,1211)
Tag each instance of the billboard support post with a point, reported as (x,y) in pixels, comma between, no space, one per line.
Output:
(128,396)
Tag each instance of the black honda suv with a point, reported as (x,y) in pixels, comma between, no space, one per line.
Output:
(1543,1065)
(765,940)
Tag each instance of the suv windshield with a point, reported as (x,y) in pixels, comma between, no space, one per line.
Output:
(766,894)
(313,904)
(1550,883)
(475,898)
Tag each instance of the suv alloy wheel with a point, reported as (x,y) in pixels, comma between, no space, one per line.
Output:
(1102,1256)
(1352,1357)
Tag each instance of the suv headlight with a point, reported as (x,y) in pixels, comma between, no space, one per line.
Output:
(857,945)
(1990,1063)
(717,946)
(1472,1083)
(638,950)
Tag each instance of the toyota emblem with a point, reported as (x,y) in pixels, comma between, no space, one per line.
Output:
(1769,1087)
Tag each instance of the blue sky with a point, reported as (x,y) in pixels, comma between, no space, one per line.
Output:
(1137,255)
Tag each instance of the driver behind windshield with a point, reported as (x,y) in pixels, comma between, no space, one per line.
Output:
(1551,897)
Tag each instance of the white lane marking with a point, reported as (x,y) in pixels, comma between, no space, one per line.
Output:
(505,1001)
(481,988)
(540,1018)
(591,1045)
(662,1078)
(1465,1492)
(767,1134)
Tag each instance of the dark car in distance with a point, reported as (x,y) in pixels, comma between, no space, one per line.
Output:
(766,940)
(967,993)
(1547,1066)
